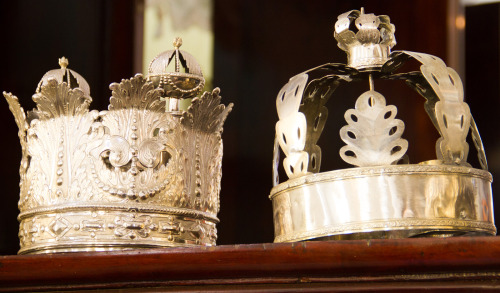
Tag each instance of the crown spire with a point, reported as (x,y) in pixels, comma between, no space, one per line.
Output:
(63,62)
(369,45)
(178,73)
(177,45)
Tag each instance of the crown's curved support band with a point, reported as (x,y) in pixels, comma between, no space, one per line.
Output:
(302,112)
(443,90)
(301,109)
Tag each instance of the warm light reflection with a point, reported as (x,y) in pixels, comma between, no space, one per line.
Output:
(460,22)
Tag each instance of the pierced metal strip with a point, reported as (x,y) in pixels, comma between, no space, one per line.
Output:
(445,105)
(478,143)
(302,114)
(316,95)
(276,162)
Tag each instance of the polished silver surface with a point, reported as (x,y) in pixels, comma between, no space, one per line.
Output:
(384,202)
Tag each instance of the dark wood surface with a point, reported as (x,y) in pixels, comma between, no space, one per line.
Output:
(453,264)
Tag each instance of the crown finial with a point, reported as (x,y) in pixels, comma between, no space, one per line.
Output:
(177,43)
(368,46)
(185,81)
(63,62)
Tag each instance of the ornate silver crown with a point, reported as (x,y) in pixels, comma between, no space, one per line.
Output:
(137,175)
(382,195)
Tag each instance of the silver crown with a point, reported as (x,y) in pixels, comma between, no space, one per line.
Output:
(134,176)
(383,195)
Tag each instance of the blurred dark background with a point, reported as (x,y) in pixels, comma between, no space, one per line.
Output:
(259,45)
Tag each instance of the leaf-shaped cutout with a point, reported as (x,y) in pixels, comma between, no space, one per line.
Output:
(290,95)
(296,164)
(373,135)
(454,120)
(291,133)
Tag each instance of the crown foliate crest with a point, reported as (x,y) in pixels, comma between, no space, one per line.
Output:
(136,175)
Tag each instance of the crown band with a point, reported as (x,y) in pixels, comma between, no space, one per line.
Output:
(395,201)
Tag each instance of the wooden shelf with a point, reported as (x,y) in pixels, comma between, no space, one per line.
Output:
(458,264)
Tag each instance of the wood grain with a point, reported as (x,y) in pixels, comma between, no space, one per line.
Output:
(442,264)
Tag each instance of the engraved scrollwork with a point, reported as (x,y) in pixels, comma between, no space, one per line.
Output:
(131,226)
(56,100)
(135,93)
(170,226)
(56,140)
(135,159)
(120,227)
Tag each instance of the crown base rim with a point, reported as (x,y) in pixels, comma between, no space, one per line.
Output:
(426,228)
(384,202)
(80,228)
(74,247)
(361,172)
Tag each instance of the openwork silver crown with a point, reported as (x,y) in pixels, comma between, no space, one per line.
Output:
(382,195)
(136,175)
